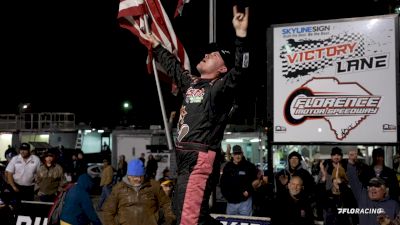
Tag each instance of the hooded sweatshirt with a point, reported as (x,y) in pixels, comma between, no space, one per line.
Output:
(78,206)
(308,180)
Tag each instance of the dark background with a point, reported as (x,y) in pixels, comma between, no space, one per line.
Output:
(71,56)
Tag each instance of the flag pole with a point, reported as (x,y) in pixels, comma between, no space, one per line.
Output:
(160,96)
(212,21)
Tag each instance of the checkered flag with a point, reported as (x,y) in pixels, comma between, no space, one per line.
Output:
(303,67)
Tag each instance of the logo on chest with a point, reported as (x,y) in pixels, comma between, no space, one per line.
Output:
(194,95)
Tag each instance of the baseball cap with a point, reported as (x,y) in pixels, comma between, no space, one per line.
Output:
(166,182)
(376,182)
(237,149)
(25,146)
(225,53)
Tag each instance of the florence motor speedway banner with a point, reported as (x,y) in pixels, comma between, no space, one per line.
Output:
(335,81)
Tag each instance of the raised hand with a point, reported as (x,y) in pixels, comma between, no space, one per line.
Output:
(240,21)
(152,39)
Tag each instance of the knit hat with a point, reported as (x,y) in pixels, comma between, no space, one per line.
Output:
(135,168)
(378,152)
(294,153)
(336,151)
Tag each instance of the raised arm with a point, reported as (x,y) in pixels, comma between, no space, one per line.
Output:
(170,63)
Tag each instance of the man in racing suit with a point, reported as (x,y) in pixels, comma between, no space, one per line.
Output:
(203,117)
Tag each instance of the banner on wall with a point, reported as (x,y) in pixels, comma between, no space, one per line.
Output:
(335,81)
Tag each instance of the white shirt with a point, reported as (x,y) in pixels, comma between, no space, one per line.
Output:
(24,171)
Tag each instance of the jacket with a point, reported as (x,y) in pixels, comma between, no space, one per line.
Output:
(78,206)
(237,179)
(207,102)
(139,207)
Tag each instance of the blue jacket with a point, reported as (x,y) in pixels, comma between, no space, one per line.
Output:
(78,207)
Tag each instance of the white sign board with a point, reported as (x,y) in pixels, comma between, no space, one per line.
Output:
(335,81)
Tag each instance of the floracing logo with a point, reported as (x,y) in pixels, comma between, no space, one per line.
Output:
(344,105)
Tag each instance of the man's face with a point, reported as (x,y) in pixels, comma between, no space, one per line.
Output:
(353,155)
(336,158)
(211,65)
(380,159)
(294,162)
(237,157)
(24,153)
(376,193)
(136,180)
(295,186)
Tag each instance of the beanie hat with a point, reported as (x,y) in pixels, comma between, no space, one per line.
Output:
(135,168)
(294,153)
(336,151)
(378,152)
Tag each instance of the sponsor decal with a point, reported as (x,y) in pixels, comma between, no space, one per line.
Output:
(280,129)
(389,127)
(194,95)
(306,29)
(376,211)
(344,105)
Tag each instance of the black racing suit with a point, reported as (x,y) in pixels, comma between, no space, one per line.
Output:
(202,121)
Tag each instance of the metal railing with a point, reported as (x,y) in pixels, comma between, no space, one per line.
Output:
(45,121)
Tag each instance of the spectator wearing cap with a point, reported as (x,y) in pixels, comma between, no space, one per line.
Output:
(137,200)
(236,184)
(373,196)
(21,172)
(50,178)
(294,168)
(379,169)
(207,102)
(335,161)
(166,182)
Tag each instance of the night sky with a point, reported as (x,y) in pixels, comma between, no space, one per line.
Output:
(71,56)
